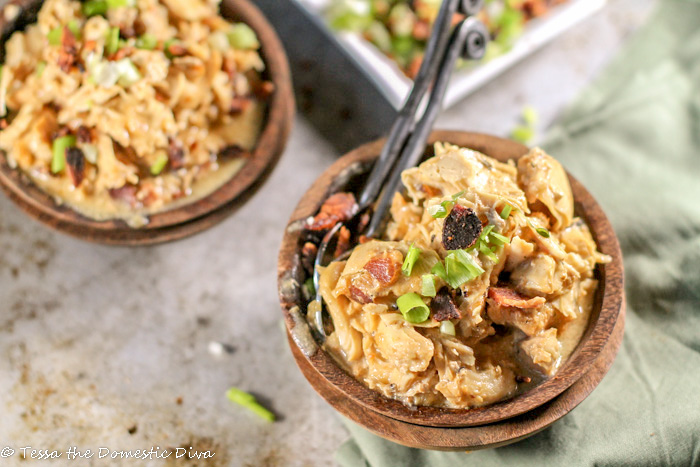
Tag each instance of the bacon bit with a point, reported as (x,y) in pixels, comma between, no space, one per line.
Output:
(421,30)
(161,97)
(68,55)
(127,193)
(264,89)
(89,46)
(239,105)
(523,379)
(443,306)
(234,151)
(308,256)
(176,155)
(534,8)
(139,27)
(75,161)
(177,50)
(461,229)
(122,53)
(431,191)
(127,31)
(343,242)
(384,268)
(63,131)
(510,298)
(357,295)
(339,207)
(84,134)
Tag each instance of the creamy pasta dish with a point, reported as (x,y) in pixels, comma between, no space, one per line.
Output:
(480,287)
(123,108)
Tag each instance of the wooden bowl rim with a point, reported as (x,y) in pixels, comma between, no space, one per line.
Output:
(194,217)
(589,348)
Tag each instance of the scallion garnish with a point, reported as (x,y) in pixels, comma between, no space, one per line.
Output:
(411,258)
(147,42)
(309,287)
(74,28)
(441,211)
(159,164)
(439,270)
(448,327)
(119,3)
(242,37)
(54,35)
(412,307)
(460,268)
(488,252)
(248,401)
(112,43)
(40,67)
(60,145)
(498,239)
(542,231)
(94,8)
(428,285)
(506,211)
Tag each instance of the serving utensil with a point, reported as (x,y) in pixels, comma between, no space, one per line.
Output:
(406,141)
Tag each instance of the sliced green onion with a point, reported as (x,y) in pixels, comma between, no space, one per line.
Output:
(54,35)
(522,134)
(412,307)
(74,27)
(309,287)
(146,42)
(530,116)
(487,230)
(447,327)
(498,239)
(241,36)
(112,44)
(40,67)
(120,3)
(128,73)
(428,285)
(411,258)
(439,270)
(60,145)
(457,195)
(248,401)
(506,211)
(461,268)
(166,47)
(542,231)
(486,251)
(159,164)
(438,211)
(94,8)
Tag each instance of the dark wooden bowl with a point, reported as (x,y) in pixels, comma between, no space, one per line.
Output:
(607,305)
(199,215)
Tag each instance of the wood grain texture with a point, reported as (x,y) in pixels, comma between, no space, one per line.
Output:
(602,322)
(199,215)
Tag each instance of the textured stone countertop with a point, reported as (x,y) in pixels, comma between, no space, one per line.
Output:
(109,347)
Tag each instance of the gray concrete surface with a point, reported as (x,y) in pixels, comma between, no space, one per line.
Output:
(108,347)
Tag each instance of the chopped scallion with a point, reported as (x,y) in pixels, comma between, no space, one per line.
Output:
(159,164)
(439,270)
(112,43)
(60,145)
(54,36)
(74,28)
(441,211)
(147,42)
(530,116)
(522,134)
(542,231)
(119,3)
(447,327)
(486,251)
(411,258)
(506,211)
(498,239)
(428,285)
(248,401)
(94,8)
(241,36)
(461,268)
(412,307)
(40,67)
(309,287)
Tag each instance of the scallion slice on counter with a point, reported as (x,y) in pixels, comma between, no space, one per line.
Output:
(241,36)
(94,8)
(159,164)
(411,258)
(112,43)
(506,211)
(412,307)
(447,327)
(60,145)
(248,401)
(428,285)
(54,36)
(147,42)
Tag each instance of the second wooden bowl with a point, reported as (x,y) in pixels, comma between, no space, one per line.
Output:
(346,174)
(190,218)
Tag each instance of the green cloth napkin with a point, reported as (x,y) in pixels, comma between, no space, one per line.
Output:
(633,139)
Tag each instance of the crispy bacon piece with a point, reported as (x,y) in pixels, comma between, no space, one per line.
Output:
(461,229)
(60,133)
(89,46)
(239,105)
(68,55)
(176,50)
(443,306)
(123,53)
(84,134)
(176,155)
(357,295)
(384,268)
(308,256)
(343,242)
(510,298)
(75,162)
(339,207)
(127,193)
